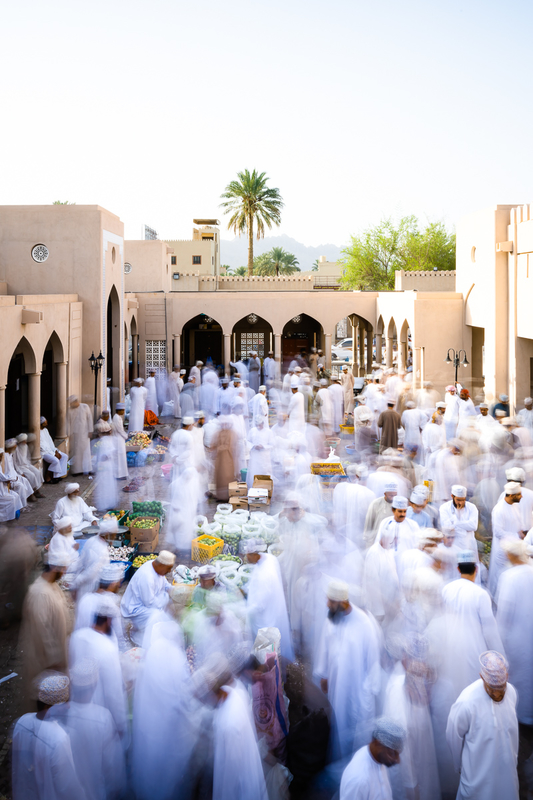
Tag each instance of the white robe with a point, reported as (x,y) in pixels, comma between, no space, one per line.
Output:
(259,409)
(61,550)
(10,502)
(166,721)
(147,592)
(381,586)
(254,373)
(138,396)
(515,623)
(266,605)
(350,506)
(324,401)
(184,501)
(506,524)
(76,508)
(119,437)
(270,371)
(483,738)
(176,385)
(365,779)
(110,691)
(19,483)
(181,450)
(58,467)
(151,396)
(337,401)
(349,659)
(413,420)
(296,412)
(105,490)
(96,748)
(93,558)
(43,766)
(80,426)
(472,630)
(23,465)
(260,462)
(87,607)
(463,521)
(237,770)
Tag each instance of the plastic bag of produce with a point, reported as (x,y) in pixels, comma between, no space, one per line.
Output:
(224,508)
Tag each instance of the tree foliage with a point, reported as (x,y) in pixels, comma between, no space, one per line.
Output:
(371,259)
(251,202)
(276,262)
(63,203)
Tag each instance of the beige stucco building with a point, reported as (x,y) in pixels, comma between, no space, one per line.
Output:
(70,286)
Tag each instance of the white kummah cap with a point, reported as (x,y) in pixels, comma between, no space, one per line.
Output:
(516,547)
(199,363)
(458,491)
(338,591)
(43,419)
(366,416)
(187,421)
(109,525)
(516,474)
(390,487)
(183,371)
(262,388)
(295,382)
(199,414)
(440,404)
(120,406)
(84,672)
(22,437)
(410,404)
(389,734)
(63,523)
(166,558)
(72,398)
(323,382)
(512,488)
(208,571)
(433,534)
(31,437)
(466,557)
(399,502)
(255,546)
(483,405)
(528,400)
(111,573)
(421,488)
(52,687)
(417,498)
(494,668)
(71,487)
(504,398)
(102,426)
(9,443)
(106,607)
(508,421)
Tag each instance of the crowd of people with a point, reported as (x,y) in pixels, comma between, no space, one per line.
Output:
(400,590)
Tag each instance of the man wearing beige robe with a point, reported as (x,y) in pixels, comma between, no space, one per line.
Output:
(347,383)
(45,624)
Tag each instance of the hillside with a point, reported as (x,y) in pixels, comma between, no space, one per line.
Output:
(234,253)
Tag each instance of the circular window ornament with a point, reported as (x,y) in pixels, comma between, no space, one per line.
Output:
(39,253)
(127,268)
(297,319)
(252,319)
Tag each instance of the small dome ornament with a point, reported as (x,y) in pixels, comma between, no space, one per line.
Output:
(40,253)
(297,319)
(252,319)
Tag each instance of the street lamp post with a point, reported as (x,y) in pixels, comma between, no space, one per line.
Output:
(96,362)
(456,359)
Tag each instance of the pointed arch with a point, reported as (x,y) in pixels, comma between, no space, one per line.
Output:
(201,340)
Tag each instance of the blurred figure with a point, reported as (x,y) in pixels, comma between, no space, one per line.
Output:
(17,483)
(43,764)
(138,394)
(366,774)
(24,467)
(18,556)
(151,394)
(261,442)
(57,461)
(347,383)
(119,440)
(80,427)
(337,402)
(109,583)
(270,369)
(94,557)
(62,548)
(105,490)
(507,523)
(378,510)
(184,501)
(351,501)
(10,502)
(254,371)
(147,591)
(482,733)
(181,448)
(225,444)
(389,422)
(175,383)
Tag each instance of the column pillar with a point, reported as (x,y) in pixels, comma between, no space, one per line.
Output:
(135,355)
(379,347)
(2,415)
(34,412)
(177,350)
(369,347)
(389,352)
(327,351)
(61,401)
(361,349)
(227,353)
(277,354)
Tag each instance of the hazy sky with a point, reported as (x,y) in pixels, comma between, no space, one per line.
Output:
(356,110)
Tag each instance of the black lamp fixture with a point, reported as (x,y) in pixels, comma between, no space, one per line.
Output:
(455,359)
(96,362)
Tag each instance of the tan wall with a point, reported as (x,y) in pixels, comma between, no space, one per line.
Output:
(185,249)
(425,280)
(151,269)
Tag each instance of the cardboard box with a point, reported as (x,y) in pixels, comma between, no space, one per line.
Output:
(265,507)
(239,502)
(149,546)
(238,489)
(264,482)
(144,534)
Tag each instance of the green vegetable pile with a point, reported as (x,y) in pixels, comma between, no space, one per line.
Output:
(209,540)
(145,522)
(232,539)
(153,507)
(226,558)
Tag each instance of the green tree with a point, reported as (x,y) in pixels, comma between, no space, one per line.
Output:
(371,259)
(276,262)
(63,203)
(314,268)
(251,202)
(239,271)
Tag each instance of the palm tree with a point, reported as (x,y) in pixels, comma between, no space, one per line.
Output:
(250,200)
(276,262)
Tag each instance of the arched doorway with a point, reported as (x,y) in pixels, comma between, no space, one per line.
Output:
(52,355)
(252,333)
(16,395)
(405,350)
(392,344)
(112,363)
(201,340)
(300,334)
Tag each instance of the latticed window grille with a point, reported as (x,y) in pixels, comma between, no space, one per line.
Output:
(252,341)
(156,355)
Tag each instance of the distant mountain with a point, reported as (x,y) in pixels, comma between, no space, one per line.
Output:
(235,253)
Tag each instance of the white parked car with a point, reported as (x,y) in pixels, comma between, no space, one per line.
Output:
(342,351)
